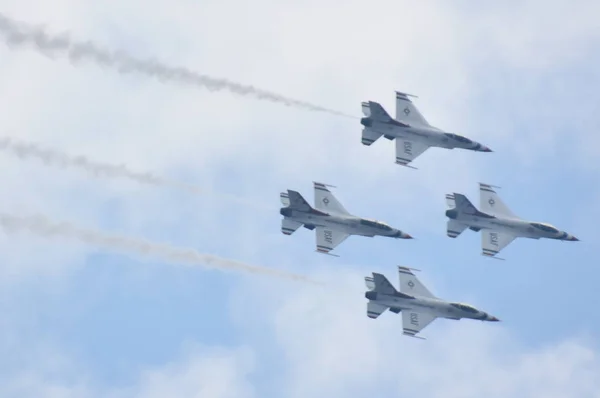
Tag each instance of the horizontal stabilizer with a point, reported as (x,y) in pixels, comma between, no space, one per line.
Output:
(450,201)
(374,309)
(366,109)
(369,136)
(454,228)
(288,226)
(284,198)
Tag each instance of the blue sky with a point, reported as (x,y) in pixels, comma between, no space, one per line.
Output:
(83,321)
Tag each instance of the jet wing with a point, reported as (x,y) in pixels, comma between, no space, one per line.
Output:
(325,201)
(450,201)
(288,226)
(413,322)
(407,112)
(375,309)
(328,239)
(491,203)
(408,150)
(455,228)
(493,242)
(410,284)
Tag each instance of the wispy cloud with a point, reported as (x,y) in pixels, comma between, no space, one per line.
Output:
(16,34)
(57,158)
(42,226)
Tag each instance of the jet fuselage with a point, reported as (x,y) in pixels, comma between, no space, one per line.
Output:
(351,225)
(432,136)
(515,227)
(432,306)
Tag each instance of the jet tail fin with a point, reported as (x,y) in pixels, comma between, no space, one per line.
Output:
(382,285)
(463,204)
(296,201)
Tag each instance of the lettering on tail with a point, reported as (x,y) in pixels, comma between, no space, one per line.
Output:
(494,238)
(414,319)
(328,236)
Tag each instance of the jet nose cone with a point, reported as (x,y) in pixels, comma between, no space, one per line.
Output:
(493,319)
(572,238)
(485,149)
(401,235)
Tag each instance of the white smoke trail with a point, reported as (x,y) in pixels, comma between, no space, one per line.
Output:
(57,158)
(42,226)
(16,33)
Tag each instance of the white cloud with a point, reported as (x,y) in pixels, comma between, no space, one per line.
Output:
(331,53)
(214,373)
(326,345)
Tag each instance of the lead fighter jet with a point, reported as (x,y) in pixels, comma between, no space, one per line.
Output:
(413,134)
(418,306)
(333,223)
(499,226)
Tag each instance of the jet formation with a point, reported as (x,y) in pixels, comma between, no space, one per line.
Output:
(418,305)
(330,220)
(332,223)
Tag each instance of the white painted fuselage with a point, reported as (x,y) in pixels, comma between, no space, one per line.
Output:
(348,224)
(430,136)
(510,226)
(428,305)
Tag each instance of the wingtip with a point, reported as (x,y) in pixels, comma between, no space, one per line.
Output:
(317,183)
(402,267)
(406,94)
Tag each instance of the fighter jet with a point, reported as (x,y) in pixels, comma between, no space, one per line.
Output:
(499,226)
(418,306)
(333,223)
(413,134)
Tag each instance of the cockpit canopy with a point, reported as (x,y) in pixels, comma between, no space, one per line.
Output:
(465,307)
(544,227)
(376,224)
(459,138)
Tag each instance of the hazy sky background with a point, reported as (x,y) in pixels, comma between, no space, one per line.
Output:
(77,320)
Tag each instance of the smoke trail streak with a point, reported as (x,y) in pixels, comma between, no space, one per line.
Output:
(53,157)
(41,226)
(16,33)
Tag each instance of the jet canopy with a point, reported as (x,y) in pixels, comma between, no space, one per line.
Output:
(465,307)
(459,138)
(375,224)
(544,227)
